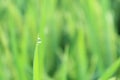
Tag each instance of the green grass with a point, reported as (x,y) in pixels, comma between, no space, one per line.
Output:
(59,40)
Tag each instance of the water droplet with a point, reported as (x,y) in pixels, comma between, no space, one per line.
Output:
(39,40)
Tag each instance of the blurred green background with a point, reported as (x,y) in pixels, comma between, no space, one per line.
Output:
(59,39)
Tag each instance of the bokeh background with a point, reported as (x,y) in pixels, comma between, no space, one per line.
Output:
(59,39)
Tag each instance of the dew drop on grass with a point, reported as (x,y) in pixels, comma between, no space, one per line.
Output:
(39,40)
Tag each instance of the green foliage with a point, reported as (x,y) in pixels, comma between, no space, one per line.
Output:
(77,40)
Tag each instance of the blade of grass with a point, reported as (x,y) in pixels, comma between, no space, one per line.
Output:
(61,74)
(8,56)
(15,19)
(111,70)
(81,56)
(109,30)
(36,64)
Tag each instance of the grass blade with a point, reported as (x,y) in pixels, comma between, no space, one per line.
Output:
(36,64)
(111,70)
